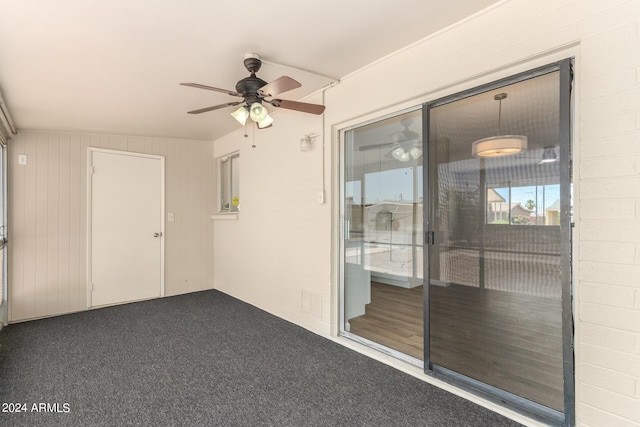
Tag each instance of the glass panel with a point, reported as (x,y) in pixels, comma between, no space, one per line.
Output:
(225,185)
(230,184)
(235,183)
(515,204)
(495,267)
(382,190)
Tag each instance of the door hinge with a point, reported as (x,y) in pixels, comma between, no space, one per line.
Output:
(430,237)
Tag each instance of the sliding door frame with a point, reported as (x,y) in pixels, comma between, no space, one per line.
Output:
(4,303)
(517,403)
(343,232)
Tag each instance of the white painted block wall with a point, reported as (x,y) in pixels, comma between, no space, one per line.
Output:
(608,285)
(284,244)
(280,253)
(277,254)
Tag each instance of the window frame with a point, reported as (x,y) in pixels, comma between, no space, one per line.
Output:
(229,177)
(510,186)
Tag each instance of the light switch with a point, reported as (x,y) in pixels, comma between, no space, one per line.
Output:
(170,216)
(22,159)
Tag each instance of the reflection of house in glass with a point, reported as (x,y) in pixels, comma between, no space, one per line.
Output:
(392,239)
(390,222)
(499,211)
(552,214)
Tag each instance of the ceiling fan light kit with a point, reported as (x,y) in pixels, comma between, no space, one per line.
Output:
(254,92)
(403,155)
(406,145)
(499,145)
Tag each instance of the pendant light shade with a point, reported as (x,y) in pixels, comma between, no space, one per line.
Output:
(266,122)
(397,153)
(241,115)
(257,112)
(497,146)
(500,145)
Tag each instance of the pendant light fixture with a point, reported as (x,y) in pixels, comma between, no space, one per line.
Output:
(499,145)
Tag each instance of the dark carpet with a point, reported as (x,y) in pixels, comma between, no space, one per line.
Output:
(206,359)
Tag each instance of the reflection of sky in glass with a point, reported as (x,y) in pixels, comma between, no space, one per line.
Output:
(352,190)
(394,185)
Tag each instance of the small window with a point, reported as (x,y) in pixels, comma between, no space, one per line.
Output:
(229,178)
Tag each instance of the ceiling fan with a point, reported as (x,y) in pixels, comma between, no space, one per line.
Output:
(406,144)
(254,92)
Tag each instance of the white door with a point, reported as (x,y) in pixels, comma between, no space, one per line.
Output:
(126,225)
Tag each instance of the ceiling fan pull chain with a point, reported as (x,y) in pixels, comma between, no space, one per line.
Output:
(254,137)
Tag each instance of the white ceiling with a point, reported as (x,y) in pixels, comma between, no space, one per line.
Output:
(114,66)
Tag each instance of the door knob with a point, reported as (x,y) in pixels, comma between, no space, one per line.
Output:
(157,234)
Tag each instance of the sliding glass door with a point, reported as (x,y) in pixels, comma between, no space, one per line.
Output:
(500,220)
(383,246)
(469,195)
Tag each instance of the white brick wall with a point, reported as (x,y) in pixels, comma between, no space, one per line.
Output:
(609,285)
(516,35)
(277,254)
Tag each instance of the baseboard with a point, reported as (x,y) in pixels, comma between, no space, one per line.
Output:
(301,318)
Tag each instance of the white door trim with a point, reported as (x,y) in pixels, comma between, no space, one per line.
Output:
(90,151)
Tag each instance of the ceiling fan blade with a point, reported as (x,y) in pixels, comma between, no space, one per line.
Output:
(375,146)
(298,106)
(215,107)
(279,85)
(199,86)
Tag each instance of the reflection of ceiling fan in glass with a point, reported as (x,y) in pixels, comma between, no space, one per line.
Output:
(406,144)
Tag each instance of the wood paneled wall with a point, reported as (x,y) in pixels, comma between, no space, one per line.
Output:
(47,217)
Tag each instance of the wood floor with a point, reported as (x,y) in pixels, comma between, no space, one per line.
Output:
(505,339)
(393,319)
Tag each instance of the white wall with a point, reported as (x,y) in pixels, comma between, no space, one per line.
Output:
(276,255)
(47,217)
(286,238)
